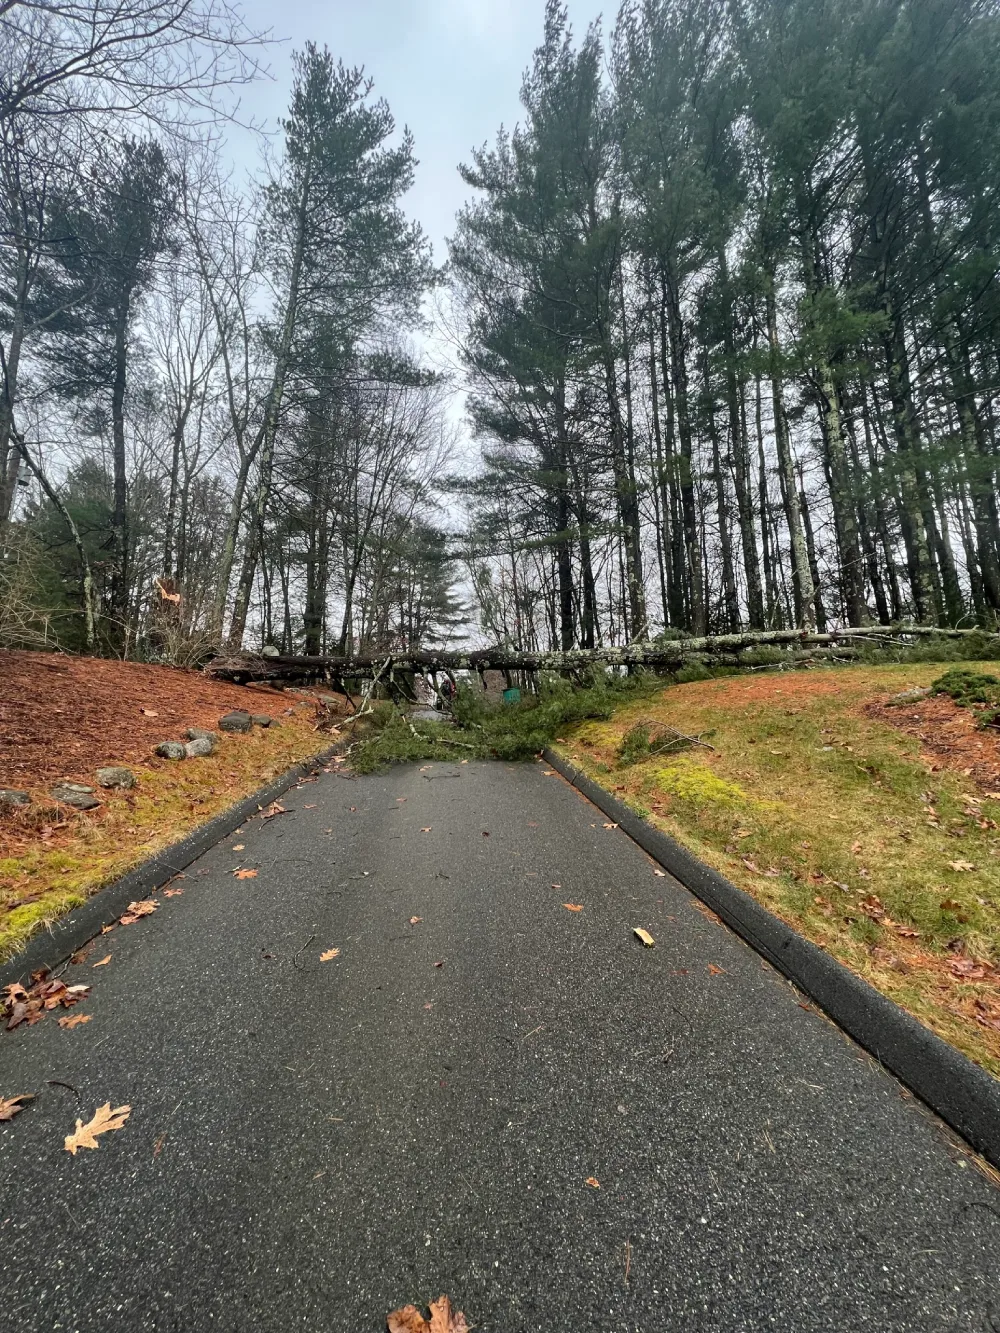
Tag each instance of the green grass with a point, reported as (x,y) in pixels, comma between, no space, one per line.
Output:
(831,819)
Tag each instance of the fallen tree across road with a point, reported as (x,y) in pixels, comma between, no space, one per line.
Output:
(668,655)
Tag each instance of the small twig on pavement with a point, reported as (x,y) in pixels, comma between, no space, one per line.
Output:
(295,955)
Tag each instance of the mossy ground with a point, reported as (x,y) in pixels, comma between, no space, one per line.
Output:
(833,820)
(52,859)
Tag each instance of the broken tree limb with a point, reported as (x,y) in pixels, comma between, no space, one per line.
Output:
(722,649)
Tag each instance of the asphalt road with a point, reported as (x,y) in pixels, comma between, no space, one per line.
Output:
(314,1143)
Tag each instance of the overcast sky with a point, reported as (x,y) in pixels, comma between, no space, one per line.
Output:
(449,69)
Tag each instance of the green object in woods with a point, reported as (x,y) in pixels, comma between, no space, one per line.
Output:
(512,696)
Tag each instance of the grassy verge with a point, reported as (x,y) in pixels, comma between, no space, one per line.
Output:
(52,860)
(831,819)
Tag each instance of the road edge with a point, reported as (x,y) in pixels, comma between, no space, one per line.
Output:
(965,1096)
(48,948)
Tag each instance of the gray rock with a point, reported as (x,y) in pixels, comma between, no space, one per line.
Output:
(171,750)
(116,777)
(199,747)
(262,720)
(10,796)
(75,794)
(912,696)
(200,734)
(236,721)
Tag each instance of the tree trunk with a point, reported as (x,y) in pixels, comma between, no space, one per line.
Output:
(802,587)
(119,514)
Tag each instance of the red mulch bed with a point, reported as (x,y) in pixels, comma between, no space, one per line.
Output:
(949,736)
(62,717)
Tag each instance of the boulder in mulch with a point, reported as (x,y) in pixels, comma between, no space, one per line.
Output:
(199,748)
(262,720)
(171,750)
(10,796)
(236,721)
(75,794)
(116,777)
(914,696)
(200,734)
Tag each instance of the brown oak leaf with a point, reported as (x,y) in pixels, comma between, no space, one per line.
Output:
(140,909)
(104,1118)
(408,1319)
(573,907)
(245,874)
(330,953)
(74,1020)
(9,1106)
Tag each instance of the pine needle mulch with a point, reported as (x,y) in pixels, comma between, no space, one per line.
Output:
(64,717)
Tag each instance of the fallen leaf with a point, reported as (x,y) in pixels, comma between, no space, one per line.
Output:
(10,1106)
(104,961)
(643,935)
(716,971)
(136,910)
(573,907)
(74,1020)
(172,893)
(415,920)
(427,829)
(441,964)
(593,1182)
(961,865)
(330,953)
(408,1319)
(532,823)
(149,712)
(557,886)
(548,773)
(245,874)
(85,1135)
(312,807)
(610,826)
(968,969)
(239,847)
(660,874)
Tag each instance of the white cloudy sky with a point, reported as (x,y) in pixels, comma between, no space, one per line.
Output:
(449,69)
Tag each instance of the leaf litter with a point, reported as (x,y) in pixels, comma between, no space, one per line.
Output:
(29,1005)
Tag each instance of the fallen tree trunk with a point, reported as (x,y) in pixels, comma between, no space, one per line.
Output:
(669,655)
